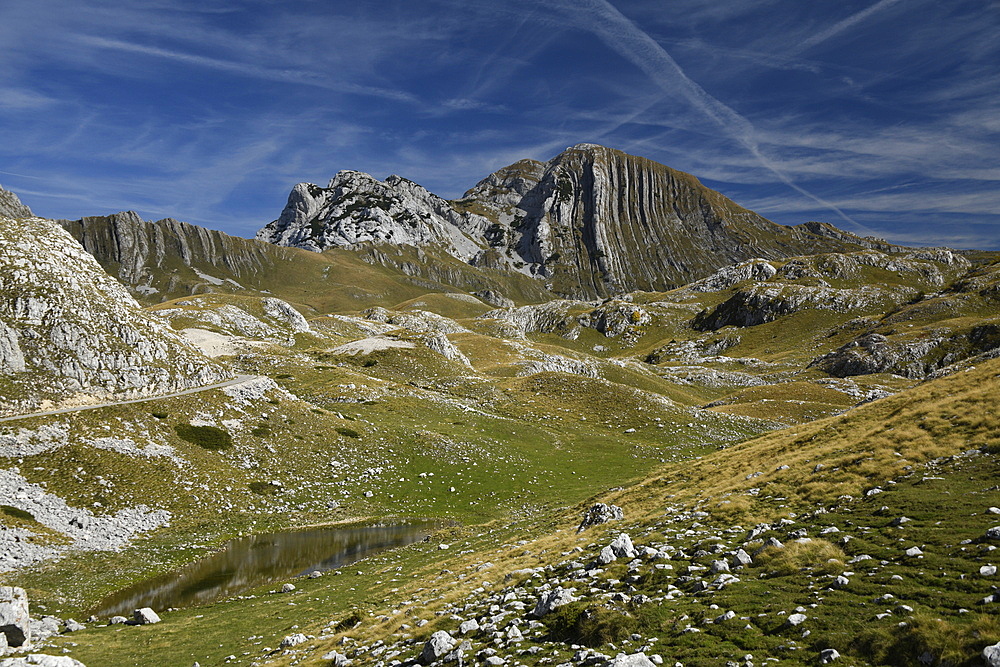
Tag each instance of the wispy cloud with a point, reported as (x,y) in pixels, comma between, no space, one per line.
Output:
(319,80)
(623,36)
(843,25)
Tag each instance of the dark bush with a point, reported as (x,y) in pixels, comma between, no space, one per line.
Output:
(208,437)
(592,626)
(16,513)
(265,488)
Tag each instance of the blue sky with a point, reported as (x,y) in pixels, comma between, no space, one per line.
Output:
(879,116)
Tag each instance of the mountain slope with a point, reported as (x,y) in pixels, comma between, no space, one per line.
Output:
(11,206)
(69,332)
(591,222)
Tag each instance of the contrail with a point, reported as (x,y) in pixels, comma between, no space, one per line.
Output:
(634,44)
(840,26)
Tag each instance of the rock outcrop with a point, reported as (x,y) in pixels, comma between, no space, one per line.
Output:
(14,618)
(11,206)
(145,255)
(68,330)
(591,222)
(356,208)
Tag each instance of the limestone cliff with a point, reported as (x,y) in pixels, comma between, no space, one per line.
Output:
(591,222)
(70,332)
(11,206)
(168,257)
(594,221)
(356,208)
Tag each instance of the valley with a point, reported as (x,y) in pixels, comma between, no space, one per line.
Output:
(799,426)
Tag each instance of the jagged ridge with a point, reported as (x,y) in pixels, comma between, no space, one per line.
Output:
(591,222)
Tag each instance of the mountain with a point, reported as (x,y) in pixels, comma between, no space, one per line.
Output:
(71,333)
(167,259)
(11,206)
(591,222)
(795,457)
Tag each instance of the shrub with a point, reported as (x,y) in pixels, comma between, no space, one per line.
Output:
(261,431)
(161,415)
(950,642)
(264,488)
(207,437)
(591,626)
(819,556)
(16,513)
(348,432)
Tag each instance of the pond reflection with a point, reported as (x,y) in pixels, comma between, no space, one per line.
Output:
(257,560)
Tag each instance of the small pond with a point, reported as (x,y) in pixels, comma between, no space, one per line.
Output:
(257,560)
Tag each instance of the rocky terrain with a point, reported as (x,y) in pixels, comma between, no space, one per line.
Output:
(591,222)
(70,333)
(11,206)
(764,445)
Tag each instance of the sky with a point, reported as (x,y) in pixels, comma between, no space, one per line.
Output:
(879,116)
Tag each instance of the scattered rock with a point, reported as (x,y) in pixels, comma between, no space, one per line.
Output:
(466,627)
(795,619)
(14,619)
(145,616)
(622,546)
(73,626)
(991,655)
(336,659)
(634,660)
(988,570)
(293,640)
(552,600)
(828,655)
(437,647)
(41,660)
(287,588)
(601,513)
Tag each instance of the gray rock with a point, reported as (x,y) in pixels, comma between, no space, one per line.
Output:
(988,570)
(337,659)
(741,559)
(440,644)
(45,627)
(279,310)
(117,620)
(633,660)
(991,655)
(719,566)
(494,298)
(145,616)
(41,660)
(993,533)
(14,618)
(552,600)
(293,640)
(913,552)
(287,588)
(11,206)
(606,557)
(466,627)
(73,626)
(601,513)
(622,546)
(828,655)
(795,619)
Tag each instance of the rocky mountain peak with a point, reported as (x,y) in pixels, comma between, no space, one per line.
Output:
(11,206)
(356,208)
(591,222)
